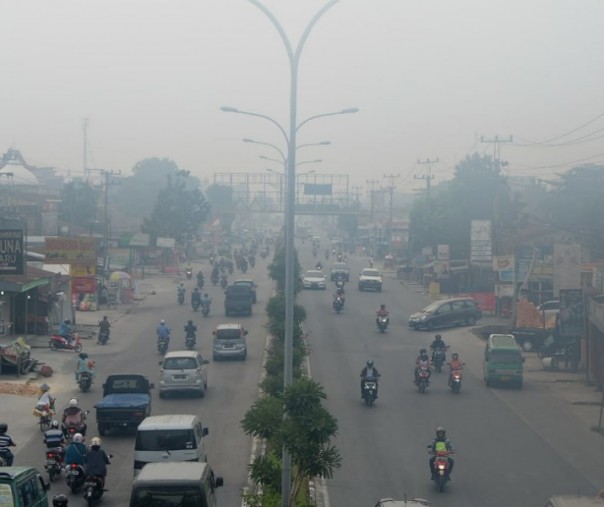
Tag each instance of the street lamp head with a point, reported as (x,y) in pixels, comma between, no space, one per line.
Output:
(246,140)
(229,109)
(324,143)
(350,110)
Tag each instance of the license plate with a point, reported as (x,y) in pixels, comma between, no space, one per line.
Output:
(179,377)
(505,379)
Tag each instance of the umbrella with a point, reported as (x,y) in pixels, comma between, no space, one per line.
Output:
(119,275)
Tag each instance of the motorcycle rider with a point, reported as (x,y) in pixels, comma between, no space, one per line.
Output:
(163,331)
(200,279)
(74,416)
(438,344)
(382,312)
(46,401)
(195,297)
(5,442)
(441,443)
(97,461)
(180,290)
(60,501)
(65,331)
(75,453)
(104,326)
(206,300)
(454,364)
(369,372)
(319,266)
(84,365)
(422,361)
(55,439)
(190,330)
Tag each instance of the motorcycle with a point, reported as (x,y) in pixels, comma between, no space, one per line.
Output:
(438,360)
(189,273)
(369,391)
(423,379)
(181,298)
(455,381)
(58,342)
(162,346)
(84,381)
(224,281)
(338,305)
(54,463)
(190,341)
(45,414)
(200,283)
(440,470)
(93,489)
(74,477)
(214,279)
(205,310)
(252,261)
(382,323)
(103,337)
(195,304)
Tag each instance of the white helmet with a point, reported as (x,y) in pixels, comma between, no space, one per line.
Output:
(78,438)
(73,402)
(95,442)
(162,321)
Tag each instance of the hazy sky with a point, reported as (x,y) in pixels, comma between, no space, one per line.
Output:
(429,77)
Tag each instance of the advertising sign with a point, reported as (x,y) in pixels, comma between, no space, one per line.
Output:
(11,251)
(140,239)
(442,252)
(317,189)
(68,250)
(83,285)
(81,270)
(481,247)
(567,267)
(572,313)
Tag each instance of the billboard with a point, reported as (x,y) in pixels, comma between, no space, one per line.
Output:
(567,266)
(572,313)
(481,246)
(69,250)
(11,251)
(317,189)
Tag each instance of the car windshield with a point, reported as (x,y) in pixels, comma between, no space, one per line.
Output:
(228,334)
(179,363)
(340,265)
(247,283)
(163,440)
(505,356)
(371,272)
(314,274)
(431,308)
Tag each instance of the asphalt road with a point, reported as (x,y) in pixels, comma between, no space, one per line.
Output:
(232,387)
(514,447)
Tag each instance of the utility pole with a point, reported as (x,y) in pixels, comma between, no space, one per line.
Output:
(107,226)
(428,177)
(85,149)
(390,189)
(496,142)
(372,184)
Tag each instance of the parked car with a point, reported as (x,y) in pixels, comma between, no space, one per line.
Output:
(314,279)
(446,313)
(229,342)
(370,279)
(183,370)
(248,283)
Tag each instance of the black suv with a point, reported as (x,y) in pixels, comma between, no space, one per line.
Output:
(447,312)
(340,270)
(238,299)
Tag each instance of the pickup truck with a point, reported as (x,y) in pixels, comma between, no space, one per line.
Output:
(126,402)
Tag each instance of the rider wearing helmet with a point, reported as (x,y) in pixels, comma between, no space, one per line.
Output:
(190,330)
(60,501)
(97,460)
(76,451)
(369,372)
(5,442)
(104,326)
(74,416)
(54,438)
(163,331)
(382,312)
(438,344)
(65,330)
(455,363)
(195,296)
(206,300)
(45,401)
(422,361)
(441,443)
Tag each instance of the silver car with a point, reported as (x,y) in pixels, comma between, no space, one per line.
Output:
(229,342)
(183,370)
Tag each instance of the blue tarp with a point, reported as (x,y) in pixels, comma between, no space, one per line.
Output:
(124,400)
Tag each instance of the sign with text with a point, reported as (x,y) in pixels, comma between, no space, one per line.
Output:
(317,189)
(83,285)
(69,250)
(11,251)
(82,270)
(572,313)
(481,246)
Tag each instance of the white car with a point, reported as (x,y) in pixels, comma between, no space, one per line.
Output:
(370,279)
(183,370)
(314,279)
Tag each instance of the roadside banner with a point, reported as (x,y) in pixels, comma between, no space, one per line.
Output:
(11,251)
(69,250)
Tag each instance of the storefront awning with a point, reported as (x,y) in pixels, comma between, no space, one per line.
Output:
(33,277)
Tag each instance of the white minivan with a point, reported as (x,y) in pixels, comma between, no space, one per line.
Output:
(162,438)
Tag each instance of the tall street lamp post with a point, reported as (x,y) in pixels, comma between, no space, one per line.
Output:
(294,59)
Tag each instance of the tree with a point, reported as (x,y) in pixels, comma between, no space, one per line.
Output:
(178,212)
(572,206)
(79,204)
(137,194)
(276,270)
(297,421)
(478,191)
